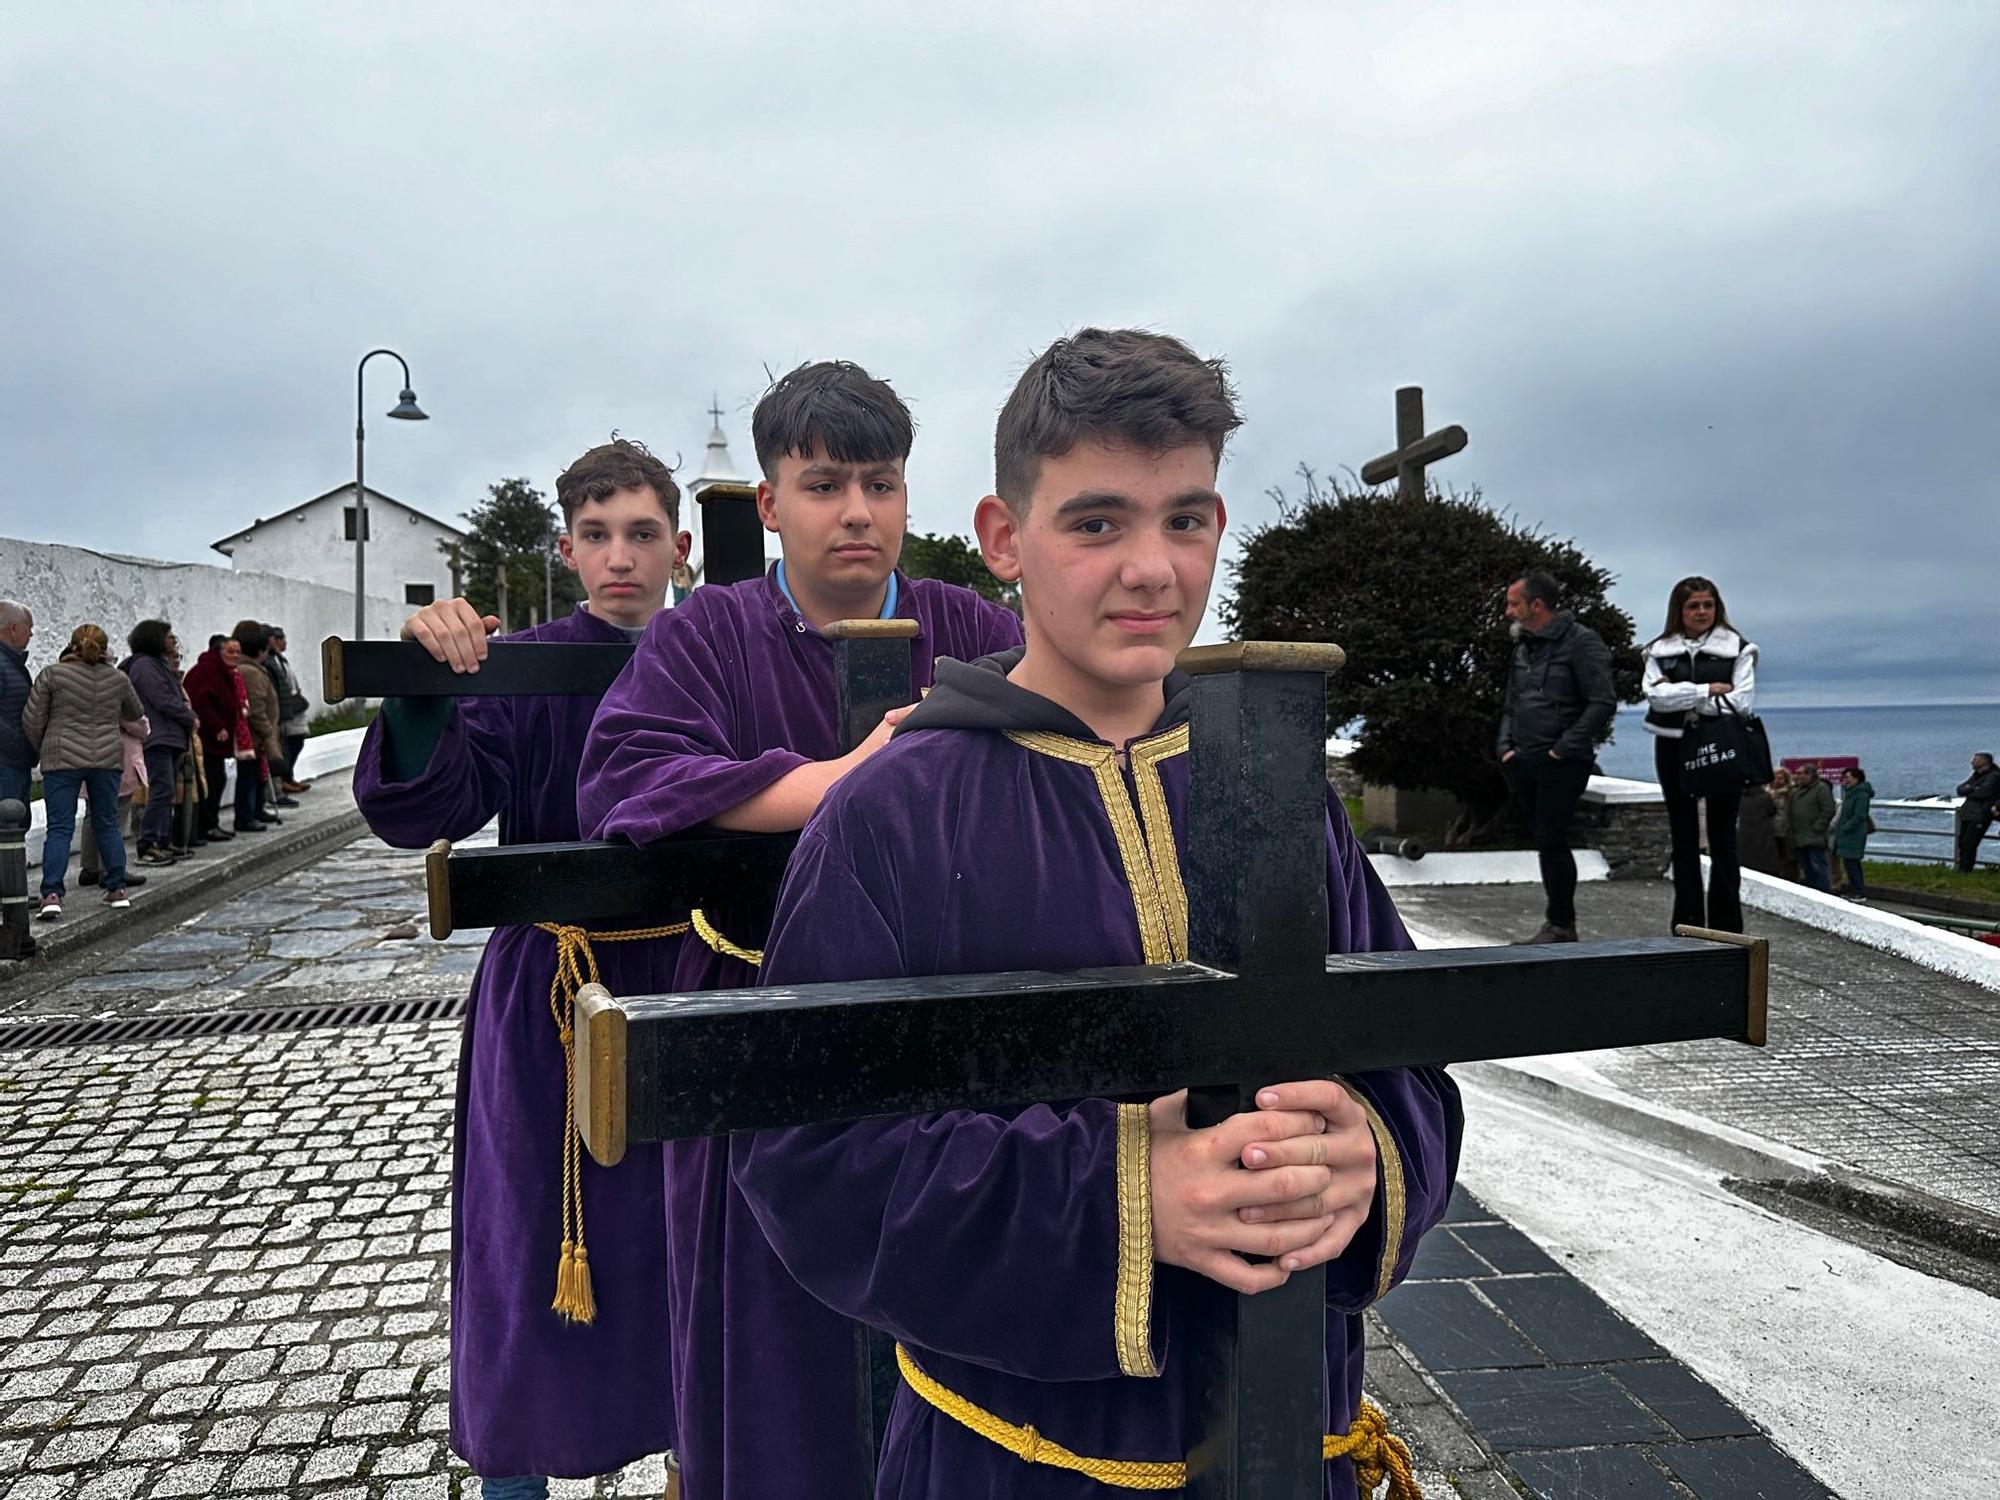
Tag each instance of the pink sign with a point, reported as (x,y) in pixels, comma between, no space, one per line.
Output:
(1830,766)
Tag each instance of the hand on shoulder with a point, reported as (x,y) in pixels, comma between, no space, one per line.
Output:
(453,632)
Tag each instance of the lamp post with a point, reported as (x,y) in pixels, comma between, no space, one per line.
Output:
(548,574)
(406,411)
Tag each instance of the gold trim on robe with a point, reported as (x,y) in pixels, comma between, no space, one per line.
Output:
(1151,863)
(1132,1315)
(1394,1203)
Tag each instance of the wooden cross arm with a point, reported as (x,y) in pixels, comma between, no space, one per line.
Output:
(1425,450)
(512,669)
(597,883)
(676,1066)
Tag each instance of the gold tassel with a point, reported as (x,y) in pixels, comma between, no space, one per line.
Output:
(576,964)
(583,1301)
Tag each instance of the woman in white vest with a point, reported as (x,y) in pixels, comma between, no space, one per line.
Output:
(1698,665)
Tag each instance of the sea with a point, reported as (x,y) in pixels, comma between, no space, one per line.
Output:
(1921,750)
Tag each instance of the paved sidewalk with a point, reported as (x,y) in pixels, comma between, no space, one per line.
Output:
(1578,1403)
(325,817)
(1873,1061)
(348,926)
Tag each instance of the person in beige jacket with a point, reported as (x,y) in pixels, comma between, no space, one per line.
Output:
(265,714)
(73,720)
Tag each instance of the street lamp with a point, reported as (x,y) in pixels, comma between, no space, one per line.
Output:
(406,411)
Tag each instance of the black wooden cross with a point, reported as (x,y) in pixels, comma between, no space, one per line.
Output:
(1259,1003)
(1415,450)
(597,882)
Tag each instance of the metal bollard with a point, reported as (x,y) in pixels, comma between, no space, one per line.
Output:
(16,941)
(1385,841)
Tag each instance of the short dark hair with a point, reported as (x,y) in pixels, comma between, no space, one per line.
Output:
(1536,584)
(1122,385)
(149,638)
(215,642)
(834,408)
(1856,772)
(274,630)
(1985,755)
(249,634)
(621,464)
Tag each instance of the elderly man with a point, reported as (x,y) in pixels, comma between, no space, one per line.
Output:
(1811,819)
(1559,704)
(17,756)
(1981,791)
(293,711)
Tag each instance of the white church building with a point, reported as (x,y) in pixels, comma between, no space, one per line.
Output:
(314,541)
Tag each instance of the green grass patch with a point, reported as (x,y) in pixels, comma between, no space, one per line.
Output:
(1942,880)
(1353,806)
(353,714)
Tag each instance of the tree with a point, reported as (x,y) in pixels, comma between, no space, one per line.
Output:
(1415,595)
(510,532)
(953,559)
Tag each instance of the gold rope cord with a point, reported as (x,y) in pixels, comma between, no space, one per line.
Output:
(1377,1453)
(576,966)
(710,934)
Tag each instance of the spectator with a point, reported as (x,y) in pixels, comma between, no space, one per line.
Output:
(293,708)
(1781,798)
(1559,703)
(131,777)
(1981,791)
(1757,825)
(17,755)
(73,718)
(167,709)
(216,690)
(1852,827)
(1811,819)
(262,695)
(1698,667)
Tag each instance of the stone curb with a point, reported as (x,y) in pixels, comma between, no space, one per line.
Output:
(1563,1086)
(1932,947)
(1955,906)
(156,906)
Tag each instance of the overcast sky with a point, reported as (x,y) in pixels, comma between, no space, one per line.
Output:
(1713,288)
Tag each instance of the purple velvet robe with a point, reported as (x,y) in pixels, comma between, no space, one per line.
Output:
(729,692)
(1011,1254)
(530,1392)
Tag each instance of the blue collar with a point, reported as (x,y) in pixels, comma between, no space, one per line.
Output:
(888,599)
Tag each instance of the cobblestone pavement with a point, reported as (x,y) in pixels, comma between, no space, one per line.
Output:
(1873,1061)
(224,1261)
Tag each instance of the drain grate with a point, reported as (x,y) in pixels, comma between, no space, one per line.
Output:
(96,1031)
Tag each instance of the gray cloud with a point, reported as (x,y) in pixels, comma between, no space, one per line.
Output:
(1711,290)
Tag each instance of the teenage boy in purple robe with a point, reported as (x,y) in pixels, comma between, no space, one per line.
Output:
(1030,814)
(534,1392)
(726,717)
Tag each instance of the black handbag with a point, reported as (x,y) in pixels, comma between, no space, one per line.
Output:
(1724,752)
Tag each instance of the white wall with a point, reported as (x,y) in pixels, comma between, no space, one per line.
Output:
(67,586)
(402,547)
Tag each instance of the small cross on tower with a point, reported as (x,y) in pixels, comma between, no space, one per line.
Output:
(1414,450)
(715,408)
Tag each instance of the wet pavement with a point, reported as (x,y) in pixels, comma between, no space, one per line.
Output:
(224,1260)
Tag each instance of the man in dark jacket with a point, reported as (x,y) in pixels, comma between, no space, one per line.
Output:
(293,707)
(17,755)
(1559,703)
(1981,791)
